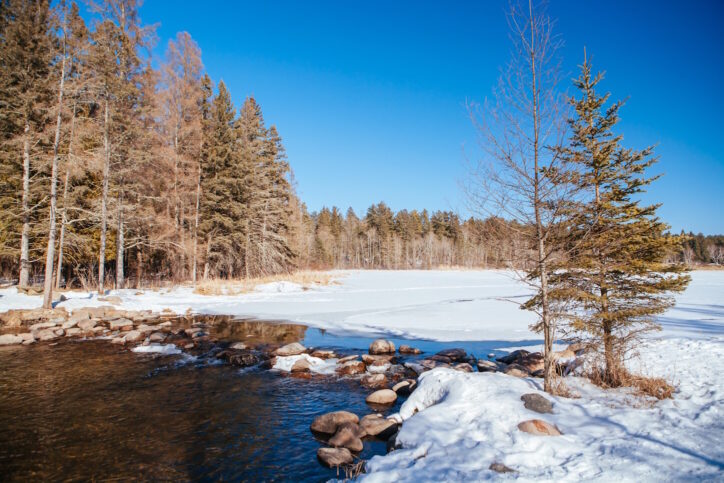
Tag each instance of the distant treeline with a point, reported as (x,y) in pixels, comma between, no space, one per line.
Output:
(703,249)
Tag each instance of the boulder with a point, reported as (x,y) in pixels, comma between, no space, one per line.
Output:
(382,346)
(12,318)
(536,402)
(406,349)
(347,359)
(382,397)
(111,299)
(500,468)
(79,315)
(157,337)
(456,354)
(26,336)
(377,360)
(120,324)
(328,423)
(144,328)
(351,368)
(379,368)
(73,331)
(463,367)
(45,334)
(487,366)
(428,364)
(379,426)
(237,346)
(348,436)
(539,428)
(42,325)
(439,358)
(516,370)
(69,324)
(59,332)
(133,336)
(301,365)
(323,354)
(10,339)
(532,362)
(333,457)
(403,388)
(374,381)
(118,340)
(293,349)
(86,324)
(513,356)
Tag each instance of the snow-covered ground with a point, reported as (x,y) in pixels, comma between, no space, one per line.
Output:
(457,424)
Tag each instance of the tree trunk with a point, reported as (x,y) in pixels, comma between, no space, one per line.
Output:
(64,219)
(50,253)
(24,237)
(139,270)
(104,201)
(206,261)
(119,245)
(196,225)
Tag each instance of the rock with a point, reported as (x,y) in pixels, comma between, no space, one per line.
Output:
(491,356)
(456,354)
(513,356)
(487,366)
(382,346)
(377,360)
(539,428)
(532,362)
(79,315)
(72,331)
(29,341)
(323,354)
(403,388)
(351,368)
(347,359)
(145,329)
(42,325)
(301,365)
(564,354)
(237,346)
(379,368)
(463,367)
(415,367)
(431,364)
(133,336)
(334,456)
(328,423)
(245,358)
(379,426)
(536,402)
(190,345)
(10,339)
(500,468)
(59,332)
(120,324)
(406,349)
(111,299)
(374,381)
(45,334)
(382,397)
(69,324)
(118,340)
(439,358)
(293,349)
(347,437)
(538,373)
(516,370)
(157,337)
(86,324)
(26,336)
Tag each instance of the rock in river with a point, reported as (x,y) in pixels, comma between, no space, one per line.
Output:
(334,456)
(382,346)
(328,423)
(377,425)
(383,396)
(348,436)
(406,349)
(351,368)
(293,349)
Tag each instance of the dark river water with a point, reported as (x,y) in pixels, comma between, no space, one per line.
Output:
(91,410)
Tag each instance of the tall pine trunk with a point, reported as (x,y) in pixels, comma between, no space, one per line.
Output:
(50,253)
(196,225)
(104,201)
(119,244)
(24,237)
(64,218)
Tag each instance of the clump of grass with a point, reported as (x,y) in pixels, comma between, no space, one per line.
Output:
(656,387)
(559,388)
(306,278)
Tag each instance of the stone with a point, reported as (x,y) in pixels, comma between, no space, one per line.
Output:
(333,457)
(190,345)
(532,362)
(378,426)
(382,397)
(237,346)
(539,428)
(293,349)
(516,370)
(323,354)
(487,366)
(439,358)
(145,328)
(374,381)
(500,468)
(42,325)
(111,299)
(328,423)
(59,332)
(73,331)
(347,359)
(406,349)
(118,340)
(301,365)
(431,364)
(379,368)
(536,402)
(463,367)
(376,360)
(69,324)
(28,342)
(346,437)
(10,339)
(513,356)
(26,336)
(157,337)
(403,388)
(45,334)
(120,324)
(456,354)
(86,324)
(382,346)
(133,336)
(351,368)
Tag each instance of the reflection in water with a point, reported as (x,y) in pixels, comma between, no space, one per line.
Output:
(93,410)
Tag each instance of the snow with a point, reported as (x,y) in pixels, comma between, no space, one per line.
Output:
(165,349)
(320,366)
(456,424)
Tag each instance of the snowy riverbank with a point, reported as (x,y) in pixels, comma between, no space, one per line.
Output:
(464,422)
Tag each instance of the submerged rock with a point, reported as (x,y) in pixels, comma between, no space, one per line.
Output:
(539,428)
(374,381)
(351,368)
(328,423)
(455,354)
(382,397)
(382,346)
(293,349)
(406,349)
(536,402)
(335,456)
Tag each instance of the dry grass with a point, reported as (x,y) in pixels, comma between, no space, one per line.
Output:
(307,279)
(656,387)
(559,388)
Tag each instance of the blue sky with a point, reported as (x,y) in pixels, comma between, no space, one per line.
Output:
(369,96)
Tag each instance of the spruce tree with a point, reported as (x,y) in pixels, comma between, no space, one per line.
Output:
(616,279)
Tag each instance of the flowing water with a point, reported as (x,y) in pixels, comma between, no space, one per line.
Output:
(91,410)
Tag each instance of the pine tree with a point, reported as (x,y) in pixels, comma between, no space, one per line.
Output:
(616,279)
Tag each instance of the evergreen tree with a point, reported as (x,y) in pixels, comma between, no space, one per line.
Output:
(616,279)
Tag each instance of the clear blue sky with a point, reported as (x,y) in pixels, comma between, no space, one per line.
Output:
(369,96)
